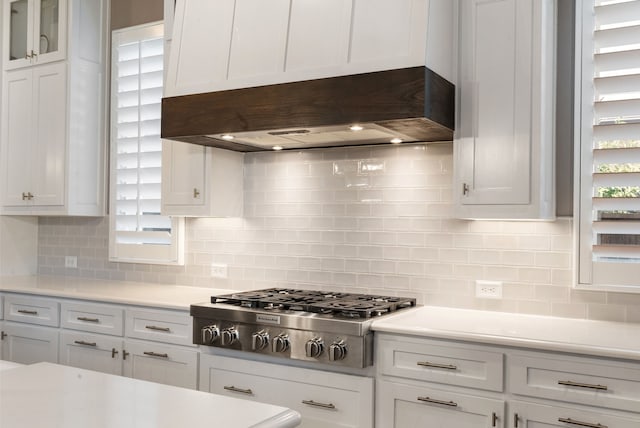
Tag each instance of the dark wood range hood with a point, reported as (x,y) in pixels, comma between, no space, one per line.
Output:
(409,105)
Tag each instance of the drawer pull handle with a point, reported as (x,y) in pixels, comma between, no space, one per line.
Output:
(156,328)
(240,390)
(580,424)
(88,319)
(26,312)
(494,419)
(155,354)
(582,385)
(516,419)
(437,366)
(113,352)
(433,401)
(316,404)
(82,342)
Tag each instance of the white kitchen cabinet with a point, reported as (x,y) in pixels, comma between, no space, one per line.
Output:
(201,181)
(34,32)
(504,141)
(53,122)
(232,44)
(412,406)
(322,398)
(32,310)
(530,415)
(91,351)
(162,363)
(28,344)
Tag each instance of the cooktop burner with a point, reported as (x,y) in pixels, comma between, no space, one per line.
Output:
(337,304)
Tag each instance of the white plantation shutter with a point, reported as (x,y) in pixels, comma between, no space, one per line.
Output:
(609,207)
(138,232)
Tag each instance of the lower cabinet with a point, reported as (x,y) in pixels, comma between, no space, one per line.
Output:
(161,363)
(91,351)
(322,398)
(530,415)
(402,405)
(28,344)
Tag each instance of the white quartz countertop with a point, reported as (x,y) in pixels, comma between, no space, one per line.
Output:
(597,338)
(53,396)
(129,293)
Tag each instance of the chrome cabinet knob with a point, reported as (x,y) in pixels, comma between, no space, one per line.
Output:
(259,340)
(338,350)
(229,336)
(280,343)
(210,334)
(314,347)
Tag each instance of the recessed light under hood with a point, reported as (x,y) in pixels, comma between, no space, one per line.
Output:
(409,105)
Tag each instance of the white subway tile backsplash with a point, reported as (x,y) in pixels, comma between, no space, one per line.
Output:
(364,219)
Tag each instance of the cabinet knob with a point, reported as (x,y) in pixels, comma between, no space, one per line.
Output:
(3,335)
(196,193)
(465,189)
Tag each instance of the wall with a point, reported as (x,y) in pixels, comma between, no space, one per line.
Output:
(373,220)
(127,13)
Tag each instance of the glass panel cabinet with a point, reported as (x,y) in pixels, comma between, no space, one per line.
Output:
(34,32)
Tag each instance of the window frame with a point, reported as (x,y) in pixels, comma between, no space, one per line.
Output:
(172,254)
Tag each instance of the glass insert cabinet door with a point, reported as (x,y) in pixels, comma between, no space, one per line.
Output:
(34,32)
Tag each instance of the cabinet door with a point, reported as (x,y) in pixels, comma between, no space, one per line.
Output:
(157,362)
(91,352)
(48,153)
(400,406)
(528,415)
(18,33)
(50,26)
(17,129)
(183,176)
(27,344)
(504,141)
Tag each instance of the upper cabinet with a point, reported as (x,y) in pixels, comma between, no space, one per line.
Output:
(230,44)
(34,32)
(53,110)
(504,144)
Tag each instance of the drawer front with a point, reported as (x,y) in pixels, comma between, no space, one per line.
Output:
(92,317)
(322,398)
(91,351)
(32,310)
(161,363)
(441,362)
(577,380)
(161,326)
(529,415)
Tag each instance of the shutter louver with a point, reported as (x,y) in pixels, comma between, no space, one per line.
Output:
(611,78)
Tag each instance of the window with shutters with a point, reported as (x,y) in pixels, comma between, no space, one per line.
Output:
(138,232)
(608,214)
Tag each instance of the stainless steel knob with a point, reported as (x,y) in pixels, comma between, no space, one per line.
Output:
(338,350)
(280,343)
(314,347)
(210,334)
(229,336)
(259,340)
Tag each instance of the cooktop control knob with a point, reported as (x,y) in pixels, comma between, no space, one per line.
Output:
(229,336)
(210,334)
(338,350)
(280,343)
(314,347)
(259,340)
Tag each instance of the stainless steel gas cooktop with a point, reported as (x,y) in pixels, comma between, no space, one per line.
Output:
(306,325)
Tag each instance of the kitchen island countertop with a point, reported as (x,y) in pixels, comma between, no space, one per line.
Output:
(123,292)
(589,337)
(53,396)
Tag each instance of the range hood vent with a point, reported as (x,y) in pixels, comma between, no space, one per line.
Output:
(402,105)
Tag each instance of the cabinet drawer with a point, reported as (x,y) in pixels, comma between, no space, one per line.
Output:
(161,326)
(587,381)
(33,310)
(441,362)
(531,415)
(92,317)
(322,398)
(400,405)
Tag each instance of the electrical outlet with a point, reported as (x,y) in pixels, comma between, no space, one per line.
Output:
(489,289)
(218,270)
(71,262)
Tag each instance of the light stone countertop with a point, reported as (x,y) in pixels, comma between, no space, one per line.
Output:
(128,293)
(53,396)
(589,337)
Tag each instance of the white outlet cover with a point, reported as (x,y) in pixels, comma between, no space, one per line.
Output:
(489,289)
(71,262)
(218,270)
